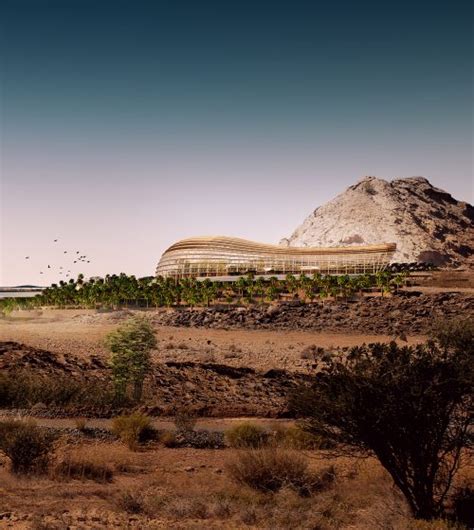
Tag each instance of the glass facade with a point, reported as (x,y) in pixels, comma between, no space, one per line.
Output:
(201,257)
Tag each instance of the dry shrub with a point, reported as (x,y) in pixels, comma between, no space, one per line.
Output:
(25,387)
(80,424)
(294,437)
(183,508)
(168,439)
(133,430)
(185,421)
(270,470)
(249,516)
(131,502)
(72,467)
(312,352)
(222,508)
(246,435)
(28,446)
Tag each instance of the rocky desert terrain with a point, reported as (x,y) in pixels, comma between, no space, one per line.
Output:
(223,365)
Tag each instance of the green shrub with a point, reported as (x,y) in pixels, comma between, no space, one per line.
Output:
(270,470)
(130,345)
(133,430)
(246,435)
(28,446)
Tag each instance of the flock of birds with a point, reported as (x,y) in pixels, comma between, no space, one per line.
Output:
(77,258)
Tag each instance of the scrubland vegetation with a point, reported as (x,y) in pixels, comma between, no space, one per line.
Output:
(383,438)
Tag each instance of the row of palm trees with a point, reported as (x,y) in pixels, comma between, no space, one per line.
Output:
(122,290)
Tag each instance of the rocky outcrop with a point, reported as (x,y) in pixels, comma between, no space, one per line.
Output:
(205,389)
(425,222)
(409,313)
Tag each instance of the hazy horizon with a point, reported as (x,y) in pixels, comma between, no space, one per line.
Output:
(125,127)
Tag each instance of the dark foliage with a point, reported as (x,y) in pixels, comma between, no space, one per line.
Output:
(26,445)
(411,407)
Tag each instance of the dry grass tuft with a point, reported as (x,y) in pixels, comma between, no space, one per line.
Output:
(270,470)
(131,502)
(133,430)
(168,439)
(79,469)
(246,435)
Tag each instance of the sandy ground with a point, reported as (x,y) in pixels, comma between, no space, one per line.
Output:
(82,332)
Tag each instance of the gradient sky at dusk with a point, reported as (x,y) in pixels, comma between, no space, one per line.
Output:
(128,125)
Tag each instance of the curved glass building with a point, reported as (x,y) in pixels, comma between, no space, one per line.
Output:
(201,257)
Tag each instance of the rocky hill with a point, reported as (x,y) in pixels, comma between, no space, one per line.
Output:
(425,222)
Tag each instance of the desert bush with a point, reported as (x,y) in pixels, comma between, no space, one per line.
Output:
(246,435)
(131,502)
(294,437)
(270,470)
(80,424)
(24,388)
(71,467)
(183,508)
(184,421)
(410,406)
(312,352)
(133,429)
(28,446)
(168,439)
(457,334)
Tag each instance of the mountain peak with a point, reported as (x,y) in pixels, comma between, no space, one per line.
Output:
(427,223)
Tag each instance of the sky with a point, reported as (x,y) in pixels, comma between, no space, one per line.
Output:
(127,125)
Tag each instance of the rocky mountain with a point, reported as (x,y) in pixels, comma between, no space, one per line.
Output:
(425,222)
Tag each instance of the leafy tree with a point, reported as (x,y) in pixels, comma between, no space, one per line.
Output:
(411,407)
(130,345)
(382,280)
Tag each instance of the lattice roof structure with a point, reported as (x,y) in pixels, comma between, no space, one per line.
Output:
(218,256)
